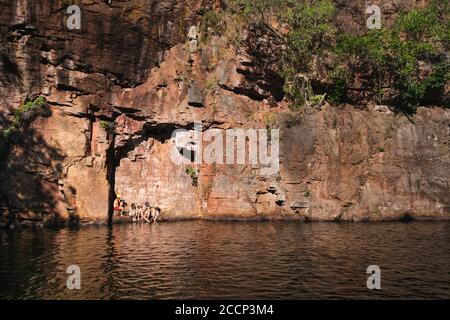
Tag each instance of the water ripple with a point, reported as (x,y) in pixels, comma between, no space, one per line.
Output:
(228,260)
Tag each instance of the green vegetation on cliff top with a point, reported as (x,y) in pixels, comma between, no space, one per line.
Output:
(404,66)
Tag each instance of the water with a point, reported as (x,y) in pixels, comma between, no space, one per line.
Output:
(230,260)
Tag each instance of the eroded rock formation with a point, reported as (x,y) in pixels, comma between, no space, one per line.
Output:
(135,64)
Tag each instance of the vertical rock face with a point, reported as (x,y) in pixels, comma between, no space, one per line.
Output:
(133,64)
(368,164)
(61,167)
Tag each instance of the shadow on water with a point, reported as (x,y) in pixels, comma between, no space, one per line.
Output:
(110,266)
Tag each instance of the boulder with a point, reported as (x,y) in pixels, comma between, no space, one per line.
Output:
(196,97)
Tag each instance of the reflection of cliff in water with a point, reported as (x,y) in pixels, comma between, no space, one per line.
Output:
(234,260)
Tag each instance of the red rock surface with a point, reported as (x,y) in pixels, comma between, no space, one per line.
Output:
(133,63)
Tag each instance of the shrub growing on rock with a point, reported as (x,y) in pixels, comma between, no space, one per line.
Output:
(212,23)
(108,125)
(193,174)
(9,133)
(24,115)
(30,110)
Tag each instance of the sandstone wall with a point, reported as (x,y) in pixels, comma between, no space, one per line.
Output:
(133,63)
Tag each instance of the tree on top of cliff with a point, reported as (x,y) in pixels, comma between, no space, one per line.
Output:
(404,66)
(310,35)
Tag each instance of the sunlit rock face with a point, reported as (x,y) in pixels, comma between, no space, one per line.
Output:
(133,63)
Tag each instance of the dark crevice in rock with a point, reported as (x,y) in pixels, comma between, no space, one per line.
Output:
(59,104)
(127,110)
(10,70)
(80,115)
(111,177)
(160,131)
(248,92)
(138,118)
(66,87)
(269,82)
(88,147)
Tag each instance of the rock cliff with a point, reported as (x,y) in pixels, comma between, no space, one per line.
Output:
(145,68)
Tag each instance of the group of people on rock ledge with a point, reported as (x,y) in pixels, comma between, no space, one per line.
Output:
(136,212)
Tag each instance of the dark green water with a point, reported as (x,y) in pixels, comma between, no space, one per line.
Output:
(236,260)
